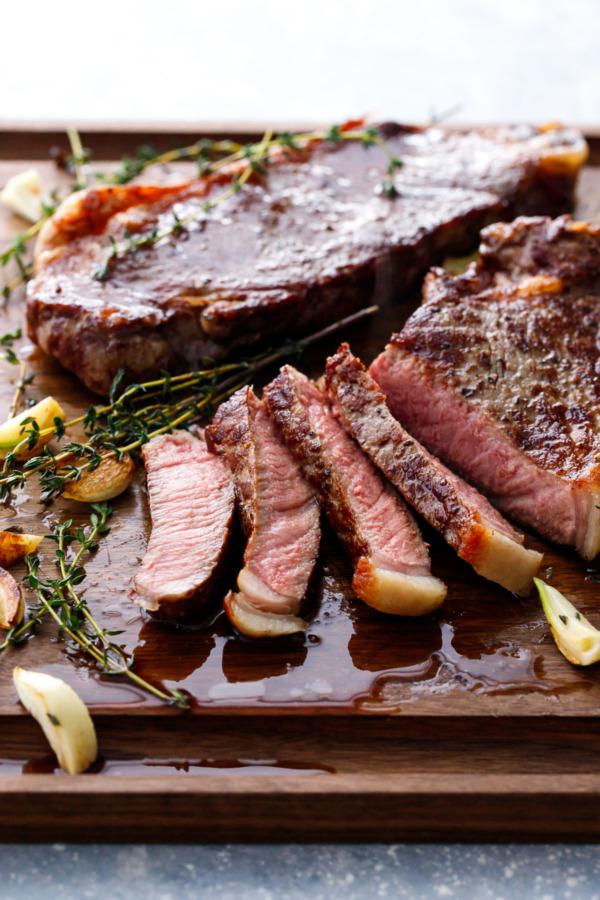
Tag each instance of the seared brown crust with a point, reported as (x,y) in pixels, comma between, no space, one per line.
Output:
(365,415)
(462,516)
(497,374)
(317,240)
(230,435)
(289,414)
(523,350)
(323,473)
(196,604)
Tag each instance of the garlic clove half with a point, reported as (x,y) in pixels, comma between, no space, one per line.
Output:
(63,716)
(575,637)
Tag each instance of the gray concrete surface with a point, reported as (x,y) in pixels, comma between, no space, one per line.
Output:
(283,872)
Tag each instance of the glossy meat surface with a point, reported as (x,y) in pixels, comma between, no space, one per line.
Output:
(192,508)
(498,374)
(461,514)
(279,513)
(369,516)
(314,240)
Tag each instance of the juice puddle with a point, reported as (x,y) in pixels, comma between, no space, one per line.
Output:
(483,641)
(46,765)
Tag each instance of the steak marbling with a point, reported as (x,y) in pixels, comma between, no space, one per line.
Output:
(498,371)
(463,516)
(390,558)
(279,514)
(316,239)
(192,510)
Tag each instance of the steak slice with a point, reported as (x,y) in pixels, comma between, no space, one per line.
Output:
(279,514)
(461,514)
(314,240)
(380,535)
(497,373)
(192,510)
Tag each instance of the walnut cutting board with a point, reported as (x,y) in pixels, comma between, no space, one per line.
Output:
(466,724)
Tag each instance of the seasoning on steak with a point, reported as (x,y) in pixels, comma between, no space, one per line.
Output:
(461,514)
(192,509)
(279,514)
(380,535)
(314,240)
(498,372)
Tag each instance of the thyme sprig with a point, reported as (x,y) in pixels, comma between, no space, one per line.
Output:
(212,157)
(137,413)
(24,379)
(7,340)
(72,573)
(17,249)
(79,160)
(59,598)
(203,152)
(255,159)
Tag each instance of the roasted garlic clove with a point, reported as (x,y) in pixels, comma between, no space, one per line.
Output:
(13,547)
(110,479)
(575,637)
(16,431)
(12,606)
(63,716)
(25,195)
(259,624)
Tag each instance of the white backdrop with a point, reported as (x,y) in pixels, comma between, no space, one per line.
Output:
(278,60)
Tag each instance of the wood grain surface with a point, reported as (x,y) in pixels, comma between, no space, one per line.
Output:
(465,724)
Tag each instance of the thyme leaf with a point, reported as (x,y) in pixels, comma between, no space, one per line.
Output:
(59,599)
(256,159)
(137,413)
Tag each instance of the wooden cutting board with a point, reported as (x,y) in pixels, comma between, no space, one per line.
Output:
(467,724)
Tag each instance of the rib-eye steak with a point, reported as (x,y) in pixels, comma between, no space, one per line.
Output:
(380,535)
(192,509)
(280,518)
(320,235)
(498,373)
(461,514)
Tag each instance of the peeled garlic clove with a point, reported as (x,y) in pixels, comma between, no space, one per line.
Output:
(110,479)
(259,624)
(63,716)
(575,637)
(14,547)
(15,430)
(12,606)
(25,195)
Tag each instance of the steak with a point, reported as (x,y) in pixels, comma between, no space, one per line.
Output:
(316,238)
(192,509)
(497,374)
(461,514)
(380,535)
(279,514)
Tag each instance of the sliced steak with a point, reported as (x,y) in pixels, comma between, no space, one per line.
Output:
(192,509)
(498,371)
(461,514)
(279,514)
(316,239)
(390,558)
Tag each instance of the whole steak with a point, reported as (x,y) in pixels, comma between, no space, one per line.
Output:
(314,239)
